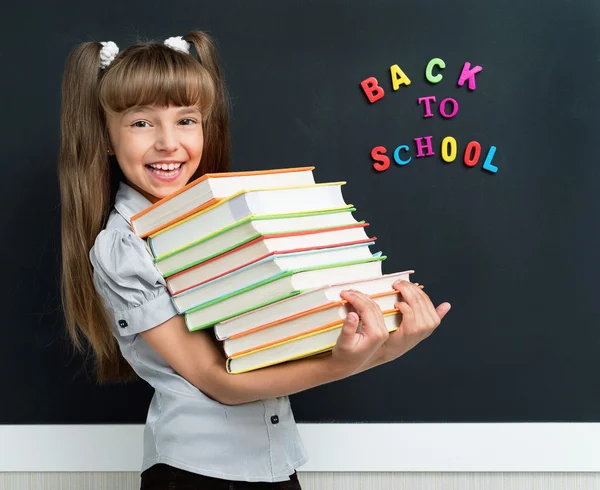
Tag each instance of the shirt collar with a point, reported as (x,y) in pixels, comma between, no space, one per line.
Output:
(129,202)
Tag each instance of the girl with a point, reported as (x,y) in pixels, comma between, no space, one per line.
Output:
(138,125)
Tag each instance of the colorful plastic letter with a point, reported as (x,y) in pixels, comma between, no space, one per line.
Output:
(434,62)
(378,154)
(448,141)
(372,89)
(397,158)
(421,146)
(398,77)
(427,100)
(454,111)
(468,73)
(472,159)
(487,165)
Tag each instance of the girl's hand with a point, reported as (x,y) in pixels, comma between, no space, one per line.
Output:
(419,320)
(355,347)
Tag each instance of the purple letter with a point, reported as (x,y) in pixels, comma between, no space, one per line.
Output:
(468,73)
(427,145)
(427,102)
(443,113)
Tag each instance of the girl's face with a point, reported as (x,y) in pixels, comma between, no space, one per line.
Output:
(158,149)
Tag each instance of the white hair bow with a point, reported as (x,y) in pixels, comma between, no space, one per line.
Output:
(110,50)
(179,44)
(108,53)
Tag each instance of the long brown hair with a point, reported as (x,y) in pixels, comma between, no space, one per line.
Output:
(147,73)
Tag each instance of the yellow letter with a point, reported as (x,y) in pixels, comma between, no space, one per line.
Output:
(448,140)
(398,77)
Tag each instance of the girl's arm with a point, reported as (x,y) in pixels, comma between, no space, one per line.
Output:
(198,358)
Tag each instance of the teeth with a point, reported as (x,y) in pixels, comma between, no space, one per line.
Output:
(166,166)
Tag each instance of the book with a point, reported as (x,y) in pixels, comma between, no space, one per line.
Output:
(301,324)
(282,200)
(193,275)
(299,347)
(208,190)
(278,288)
(267,268)
(306,302)
(246,230)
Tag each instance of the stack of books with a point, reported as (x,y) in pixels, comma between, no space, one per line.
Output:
(262,257)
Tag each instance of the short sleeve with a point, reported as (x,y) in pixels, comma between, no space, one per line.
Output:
(130,285)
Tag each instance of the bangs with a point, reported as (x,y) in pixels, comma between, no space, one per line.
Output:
(156,75)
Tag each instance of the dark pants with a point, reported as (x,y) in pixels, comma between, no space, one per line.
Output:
(165,477)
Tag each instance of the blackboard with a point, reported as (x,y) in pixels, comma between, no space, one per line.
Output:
(516,250)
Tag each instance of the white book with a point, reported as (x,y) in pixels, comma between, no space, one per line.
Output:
(267,268)
(308,301)
(245,230)
(208,189)
(302,324)
(260,248)
(270,291)
(299,347)
(297,199)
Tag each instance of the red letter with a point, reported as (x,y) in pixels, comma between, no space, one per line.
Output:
(468,73)
(378,154)
(427,145)
(471,160)
(427,106)
(372,89)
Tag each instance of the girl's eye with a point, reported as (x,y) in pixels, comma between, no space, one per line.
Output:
(136,124)
(188,119)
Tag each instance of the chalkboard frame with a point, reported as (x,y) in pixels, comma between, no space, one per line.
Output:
(461,447)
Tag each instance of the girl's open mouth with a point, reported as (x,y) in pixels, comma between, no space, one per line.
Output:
(165,172)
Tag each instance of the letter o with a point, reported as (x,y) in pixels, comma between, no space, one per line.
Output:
(448,141)
(471,158)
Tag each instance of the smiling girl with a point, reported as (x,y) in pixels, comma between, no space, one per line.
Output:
(138,125)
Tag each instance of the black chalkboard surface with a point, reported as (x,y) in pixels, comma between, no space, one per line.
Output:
(515,249)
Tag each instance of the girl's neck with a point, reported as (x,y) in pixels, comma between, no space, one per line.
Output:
(148,196)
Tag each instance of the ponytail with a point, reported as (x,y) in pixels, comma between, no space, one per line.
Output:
(85,192)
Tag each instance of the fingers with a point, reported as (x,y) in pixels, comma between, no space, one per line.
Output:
(443,309)
(417,300)
(347,336)
(426,314)
(367,309)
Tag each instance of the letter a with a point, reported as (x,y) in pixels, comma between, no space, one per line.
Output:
(398,77)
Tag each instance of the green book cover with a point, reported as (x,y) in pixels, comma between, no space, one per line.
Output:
(268,302)
(267,281)
(157,260)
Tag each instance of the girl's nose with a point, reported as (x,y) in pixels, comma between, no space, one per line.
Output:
(167,141)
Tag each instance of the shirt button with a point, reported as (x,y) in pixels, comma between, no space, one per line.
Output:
(274,419)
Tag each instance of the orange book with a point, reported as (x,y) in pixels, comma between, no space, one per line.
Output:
(305,345)
(316,299)
(301,324)
(209,190)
